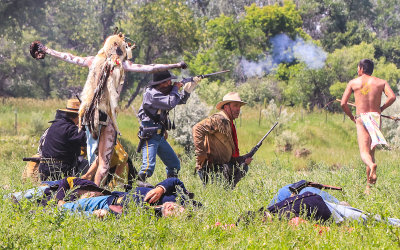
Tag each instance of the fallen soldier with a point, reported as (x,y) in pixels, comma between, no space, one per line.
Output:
(69,188)
(85,196)
(163,198)
(313,203)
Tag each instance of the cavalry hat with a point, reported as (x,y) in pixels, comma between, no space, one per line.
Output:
(160,77)
(72,106)
(230,97)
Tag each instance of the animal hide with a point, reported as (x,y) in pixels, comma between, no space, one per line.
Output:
(104,83)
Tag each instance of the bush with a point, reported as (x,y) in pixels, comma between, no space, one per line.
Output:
(38,126)
(286,141)
(257,90)
(212,92)
(185,117)
(391,128)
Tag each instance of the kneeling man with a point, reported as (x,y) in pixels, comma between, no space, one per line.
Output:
(216,143)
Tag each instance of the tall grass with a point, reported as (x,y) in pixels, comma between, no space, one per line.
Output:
(334,160)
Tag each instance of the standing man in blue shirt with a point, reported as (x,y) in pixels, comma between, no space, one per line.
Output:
(159,98)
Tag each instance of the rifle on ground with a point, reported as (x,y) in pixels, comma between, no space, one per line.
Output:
(256,147)
(298,186)
(190,79)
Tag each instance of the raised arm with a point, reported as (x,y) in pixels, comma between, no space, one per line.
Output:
(151,68)
(346,95)
(38,51)
(391,97)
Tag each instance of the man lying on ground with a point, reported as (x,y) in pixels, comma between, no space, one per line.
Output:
(85,196)
(164,198)
(314,204)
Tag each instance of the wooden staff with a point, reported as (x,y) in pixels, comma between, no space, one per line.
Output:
(352,104)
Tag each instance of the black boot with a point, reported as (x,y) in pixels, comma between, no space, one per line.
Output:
(141,181)
(174,175)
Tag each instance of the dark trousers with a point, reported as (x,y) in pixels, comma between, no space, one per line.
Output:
(56,170)
(232,173)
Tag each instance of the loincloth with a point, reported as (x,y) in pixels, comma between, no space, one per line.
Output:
(372,122)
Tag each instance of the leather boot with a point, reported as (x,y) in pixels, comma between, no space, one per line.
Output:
(174,175)
(141,181)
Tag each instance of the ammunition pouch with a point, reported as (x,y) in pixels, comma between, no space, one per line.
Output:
(145,133)
(295,188)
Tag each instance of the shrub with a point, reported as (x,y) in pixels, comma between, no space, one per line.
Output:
(38,124)
(391,128)
(286,141)
(185,117)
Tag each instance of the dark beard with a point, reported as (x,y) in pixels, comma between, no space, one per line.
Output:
(165,90)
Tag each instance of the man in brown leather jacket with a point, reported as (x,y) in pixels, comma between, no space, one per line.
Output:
(216,144)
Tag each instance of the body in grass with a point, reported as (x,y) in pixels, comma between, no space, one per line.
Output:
(367,91)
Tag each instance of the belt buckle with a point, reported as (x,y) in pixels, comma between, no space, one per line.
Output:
(159,131)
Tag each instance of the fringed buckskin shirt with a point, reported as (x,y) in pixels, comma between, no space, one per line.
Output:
(213,137)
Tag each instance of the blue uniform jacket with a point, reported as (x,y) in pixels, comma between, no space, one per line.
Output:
(63,141)
(155,100)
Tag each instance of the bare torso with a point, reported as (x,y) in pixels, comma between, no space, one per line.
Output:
(367,93)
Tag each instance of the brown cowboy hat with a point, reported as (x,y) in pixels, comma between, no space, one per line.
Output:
(72,106)
(160,77)
(230,97)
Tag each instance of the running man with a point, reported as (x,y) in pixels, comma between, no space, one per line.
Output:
(367,93)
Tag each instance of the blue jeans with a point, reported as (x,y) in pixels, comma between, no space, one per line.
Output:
(157,145)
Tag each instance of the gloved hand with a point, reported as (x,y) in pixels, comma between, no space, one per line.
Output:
(189,87)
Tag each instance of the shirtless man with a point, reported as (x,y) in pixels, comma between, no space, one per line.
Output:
(367,93)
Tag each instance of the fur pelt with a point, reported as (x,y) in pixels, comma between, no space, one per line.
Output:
(104,96)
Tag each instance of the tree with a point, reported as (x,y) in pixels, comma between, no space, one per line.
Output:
(163,30)
(229,39)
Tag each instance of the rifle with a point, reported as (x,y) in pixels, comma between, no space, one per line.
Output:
(298,186)
(256,147)
(190,79)
(35,159)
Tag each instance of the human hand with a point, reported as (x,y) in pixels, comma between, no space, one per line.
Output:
(154,195)
(197,79)
(178,84)
(60,203)
(100,213)
(165,135)
(248,160)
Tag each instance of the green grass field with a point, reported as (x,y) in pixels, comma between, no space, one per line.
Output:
(334,161)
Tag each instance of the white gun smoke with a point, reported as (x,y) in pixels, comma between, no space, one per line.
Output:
(284,49)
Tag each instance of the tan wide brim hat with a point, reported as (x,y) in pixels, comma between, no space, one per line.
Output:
(72,106)
(230,97)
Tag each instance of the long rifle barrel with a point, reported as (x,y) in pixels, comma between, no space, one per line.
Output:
(256,147)
(215,73)
(190,79)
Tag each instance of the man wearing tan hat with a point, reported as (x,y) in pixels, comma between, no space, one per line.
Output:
(61,144)
(216,143)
